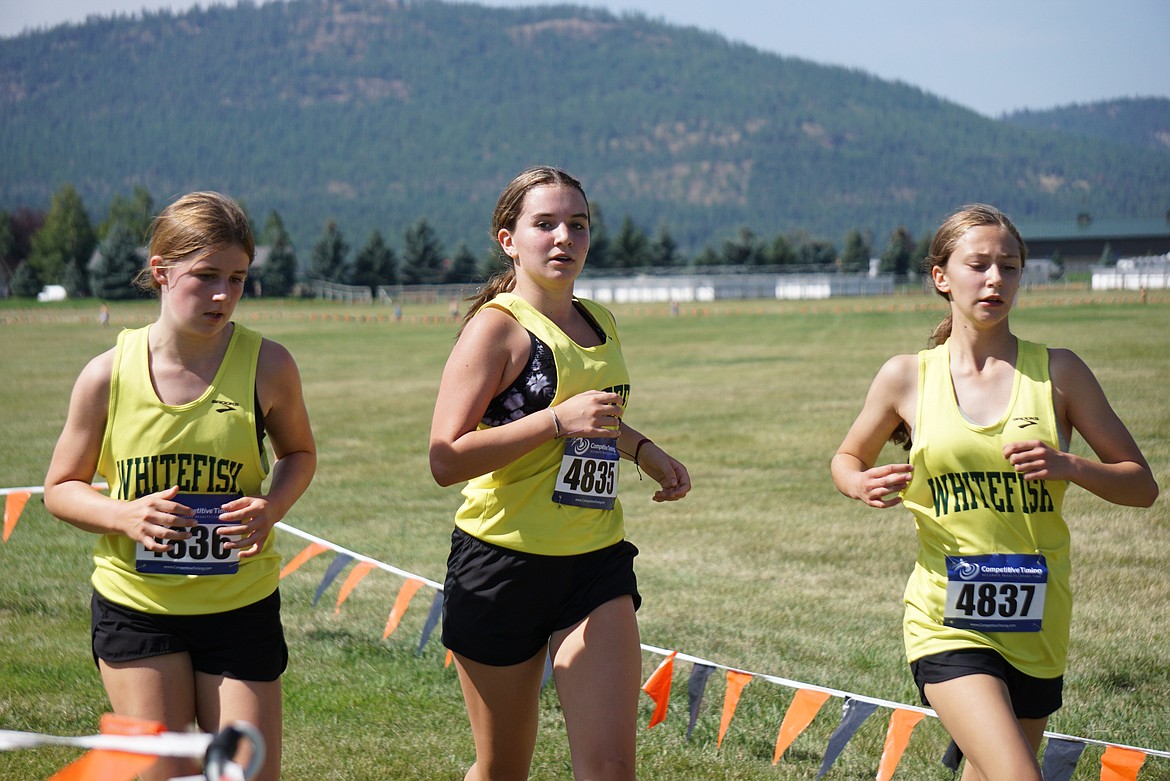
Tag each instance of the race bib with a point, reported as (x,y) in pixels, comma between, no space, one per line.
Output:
(588,474)
(999,592)
(203,553)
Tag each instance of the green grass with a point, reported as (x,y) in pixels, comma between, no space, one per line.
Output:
(765,567)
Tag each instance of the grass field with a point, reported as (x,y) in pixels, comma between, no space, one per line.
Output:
(765,567)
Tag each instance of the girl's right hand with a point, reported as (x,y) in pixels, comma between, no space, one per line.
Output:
(154,517)
(881,486)
(594,414)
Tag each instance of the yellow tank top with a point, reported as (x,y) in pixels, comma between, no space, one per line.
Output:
(210,448)
(514,507)
(993,556)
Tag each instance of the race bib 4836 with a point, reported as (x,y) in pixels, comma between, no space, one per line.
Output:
(204,552)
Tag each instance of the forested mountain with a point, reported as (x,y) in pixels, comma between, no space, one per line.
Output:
(1139,122)
(375,113)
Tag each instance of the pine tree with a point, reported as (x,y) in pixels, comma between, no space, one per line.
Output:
(896,257)
(374,264)
(664,250)
(631,248)
(329,253)
(422,255)
(25,283)
(855,256)
(278,276)
(65,241)
(119,262)
(463,267)
(135,213)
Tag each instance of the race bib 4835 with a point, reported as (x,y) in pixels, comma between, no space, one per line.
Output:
(588,474)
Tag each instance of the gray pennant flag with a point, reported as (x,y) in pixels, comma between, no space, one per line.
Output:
(853,715)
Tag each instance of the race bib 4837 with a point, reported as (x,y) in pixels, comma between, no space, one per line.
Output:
(998,592)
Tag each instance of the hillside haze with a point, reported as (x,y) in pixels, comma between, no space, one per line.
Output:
(375,113)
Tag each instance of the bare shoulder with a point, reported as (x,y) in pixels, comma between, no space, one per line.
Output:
(494,334)
(1066,367)
(274,357)
(898,375)
(95,378)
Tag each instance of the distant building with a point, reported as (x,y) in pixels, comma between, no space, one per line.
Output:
(1144,273)
(1083,242)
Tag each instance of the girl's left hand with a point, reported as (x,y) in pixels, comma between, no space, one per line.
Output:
(255,524)
(670,474)
(1036,460)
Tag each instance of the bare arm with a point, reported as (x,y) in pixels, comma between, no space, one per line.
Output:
(672,477)
(1121,475)
(486,358)
(68,492)
(891,399)
(286,421)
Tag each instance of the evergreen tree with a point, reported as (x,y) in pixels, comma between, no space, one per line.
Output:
(328,261)
(816,252)
(278,276)
(135,213)
(631,248)
(463,267)
(65,240)
(119,261)
(374,264)
(918,260)
(75,280)
(664,250)
(896,256)
(780,252)
(422,255)
(744,250)
(25,283)
(7,238)
(708,257)
(855,256)
(599,241)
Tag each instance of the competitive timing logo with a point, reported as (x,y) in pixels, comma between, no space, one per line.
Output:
(967,570)
(580,447)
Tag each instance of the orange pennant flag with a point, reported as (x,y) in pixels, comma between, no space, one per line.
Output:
(902,723)
(13,507)
(405,594)
(1121,764)
(102,765)
(735,683)
(99,765)
(313,549)
(355,576)
(803,709)
(658,687)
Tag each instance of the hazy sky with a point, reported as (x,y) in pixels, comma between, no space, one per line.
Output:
(992,56)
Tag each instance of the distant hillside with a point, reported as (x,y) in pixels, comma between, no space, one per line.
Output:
(1138,122)
(377,112)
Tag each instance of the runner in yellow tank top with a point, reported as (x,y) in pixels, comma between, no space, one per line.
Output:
(531,413)
(169,418)
(987,419)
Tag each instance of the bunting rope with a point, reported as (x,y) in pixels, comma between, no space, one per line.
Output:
(856,705)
